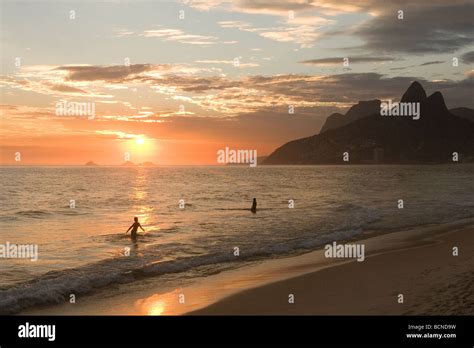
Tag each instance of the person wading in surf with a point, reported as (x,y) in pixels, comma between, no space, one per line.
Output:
(134,229)
(254,206)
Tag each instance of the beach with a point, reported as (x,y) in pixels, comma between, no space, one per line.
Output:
(417,263)
(422,268)
(213,246)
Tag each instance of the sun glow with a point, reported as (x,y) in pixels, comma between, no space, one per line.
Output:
(157,308)
(142,150)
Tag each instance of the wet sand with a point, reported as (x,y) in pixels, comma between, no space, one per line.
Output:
(417,263)
(431,280)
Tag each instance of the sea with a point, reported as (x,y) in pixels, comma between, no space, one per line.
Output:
(197,220)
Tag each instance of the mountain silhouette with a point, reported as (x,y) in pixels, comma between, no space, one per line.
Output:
(369,137)
(360,110)
(414,93)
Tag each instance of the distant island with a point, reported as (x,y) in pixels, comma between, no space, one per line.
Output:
(148,164)
(128,164)
(370,138)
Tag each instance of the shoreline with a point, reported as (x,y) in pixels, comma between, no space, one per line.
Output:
(219,293)
(431,280)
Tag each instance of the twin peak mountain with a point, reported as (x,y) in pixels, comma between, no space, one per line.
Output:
(369,137)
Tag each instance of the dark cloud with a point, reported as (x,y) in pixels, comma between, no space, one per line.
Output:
(424,29)
(468,57)
(323,6)
(192,83)
(258,92)
(353,59)
(432,63)
(341,88)
(67,89)
(429,26)
(277,5)
(423,64)
(108,73)
(352,87)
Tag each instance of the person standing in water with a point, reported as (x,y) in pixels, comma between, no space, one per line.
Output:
(134,228)
(254,206)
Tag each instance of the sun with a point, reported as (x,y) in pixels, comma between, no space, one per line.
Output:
(141,146)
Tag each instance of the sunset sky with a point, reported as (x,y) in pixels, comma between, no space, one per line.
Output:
(168,90)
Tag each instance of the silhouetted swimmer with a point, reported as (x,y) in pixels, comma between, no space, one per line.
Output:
(254,206)
(134,229)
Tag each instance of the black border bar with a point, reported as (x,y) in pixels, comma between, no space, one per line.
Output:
(225,330)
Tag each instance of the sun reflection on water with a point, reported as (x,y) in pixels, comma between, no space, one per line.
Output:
(159,304)
(140,196)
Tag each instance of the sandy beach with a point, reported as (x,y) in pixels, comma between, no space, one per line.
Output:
(431,279)
(417,263)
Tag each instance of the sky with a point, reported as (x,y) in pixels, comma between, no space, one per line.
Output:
(173,82)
